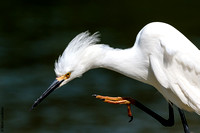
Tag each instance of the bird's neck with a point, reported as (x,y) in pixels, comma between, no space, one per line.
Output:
(129,62)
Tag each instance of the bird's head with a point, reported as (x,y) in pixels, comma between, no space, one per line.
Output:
(72,63)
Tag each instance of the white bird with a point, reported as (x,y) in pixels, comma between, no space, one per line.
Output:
(161,56)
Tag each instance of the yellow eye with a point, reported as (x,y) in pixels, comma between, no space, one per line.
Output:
(64,77)
(67,75)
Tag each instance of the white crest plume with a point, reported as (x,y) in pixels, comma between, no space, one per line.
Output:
(73,53)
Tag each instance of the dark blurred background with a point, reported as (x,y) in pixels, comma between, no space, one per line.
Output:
(34,33)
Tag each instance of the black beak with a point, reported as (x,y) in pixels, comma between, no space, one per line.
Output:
(52,87)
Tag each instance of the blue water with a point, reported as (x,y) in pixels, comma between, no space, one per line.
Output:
(32,36)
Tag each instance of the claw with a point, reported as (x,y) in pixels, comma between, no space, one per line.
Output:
(99,97)
(94,95)
(131,119)
(129,112)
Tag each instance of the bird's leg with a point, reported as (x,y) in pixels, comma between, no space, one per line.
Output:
(128,101)
(117,100)
(165,122)
(184,122)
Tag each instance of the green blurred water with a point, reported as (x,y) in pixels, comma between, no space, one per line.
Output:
(34,33)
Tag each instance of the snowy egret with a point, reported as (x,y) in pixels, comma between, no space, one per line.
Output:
(161,56)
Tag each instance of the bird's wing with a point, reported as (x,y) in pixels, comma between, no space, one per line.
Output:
(177,69)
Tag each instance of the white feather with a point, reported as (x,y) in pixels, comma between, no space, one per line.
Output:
(74,51)
(175,64)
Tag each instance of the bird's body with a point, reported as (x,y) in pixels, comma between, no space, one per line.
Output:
(161,56)
(173,64)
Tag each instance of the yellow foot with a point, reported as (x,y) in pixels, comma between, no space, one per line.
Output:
(118,100)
